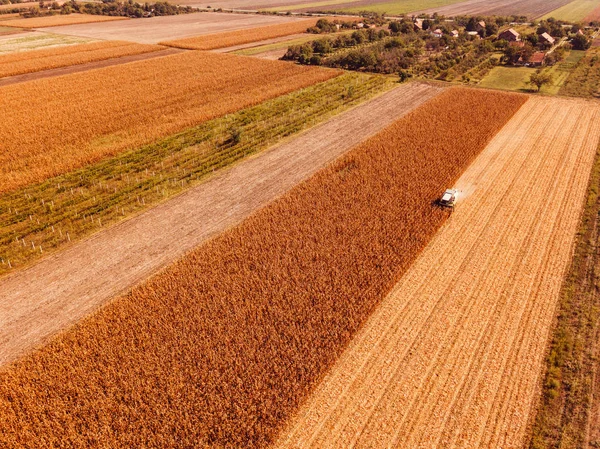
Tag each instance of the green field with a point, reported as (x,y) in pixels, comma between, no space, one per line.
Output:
(398,7)
(575,11)
(72,206)
(394,7)
(516,78)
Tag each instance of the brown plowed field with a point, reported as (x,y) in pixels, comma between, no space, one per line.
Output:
(58,20)
(453,357)
(219,349)
(530,8)
(38,60)
(41,300)
(54,125)
(156,29)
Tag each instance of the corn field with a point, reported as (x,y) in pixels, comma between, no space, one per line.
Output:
(53,126)
(52,58)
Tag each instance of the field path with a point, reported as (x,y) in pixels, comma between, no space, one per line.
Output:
(58,291)
(453,356)
(86,66)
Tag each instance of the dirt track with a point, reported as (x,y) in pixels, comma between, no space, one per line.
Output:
(60,290)
(453,356)
(530,8)
(85,67)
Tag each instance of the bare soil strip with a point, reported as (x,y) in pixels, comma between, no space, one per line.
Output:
(453,356)
(85,67)
(60,290)
(530,8)
(156,29)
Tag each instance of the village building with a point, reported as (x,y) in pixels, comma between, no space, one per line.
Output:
(537,59)
(454,33)
(547,39)
(437,33)
(418,24)
(510,35)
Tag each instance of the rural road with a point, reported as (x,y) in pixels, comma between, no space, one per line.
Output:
(60,290)
(453,356)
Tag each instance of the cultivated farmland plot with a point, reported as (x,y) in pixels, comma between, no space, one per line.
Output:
(71,121)
(530,8)
(453,356)
(157,29)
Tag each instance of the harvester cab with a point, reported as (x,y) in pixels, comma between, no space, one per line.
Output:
(448,199)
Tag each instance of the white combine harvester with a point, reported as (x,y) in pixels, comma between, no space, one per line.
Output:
(448,199)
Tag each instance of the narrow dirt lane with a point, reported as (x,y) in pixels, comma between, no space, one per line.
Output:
(452,358)
(60,290)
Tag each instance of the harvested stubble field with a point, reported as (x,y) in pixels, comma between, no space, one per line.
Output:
(530,8)
(35,61)
(233,38)
(58,20)
(575,11)
(454,355)
(34,40)
(220,348)
(70,121)
(156,29)
(50,215)
(40,301)
(568,415)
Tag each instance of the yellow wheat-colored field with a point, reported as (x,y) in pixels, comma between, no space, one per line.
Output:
(240,37)
(51,58)
(58,20)
(51,126)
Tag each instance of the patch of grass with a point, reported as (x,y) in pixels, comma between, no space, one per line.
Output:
(575,11)
(567,389)
(517,78)
(508,78)
(46,216)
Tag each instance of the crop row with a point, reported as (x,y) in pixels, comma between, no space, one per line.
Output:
(53,126)
(221,348)
(51,58)
(42,217)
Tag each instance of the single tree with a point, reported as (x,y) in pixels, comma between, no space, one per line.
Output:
(540,78)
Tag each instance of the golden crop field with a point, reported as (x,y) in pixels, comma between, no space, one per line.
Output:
(52,126)
(232,38)
(57,20)
(222,347)
(51,58)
